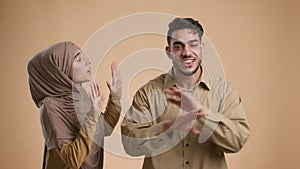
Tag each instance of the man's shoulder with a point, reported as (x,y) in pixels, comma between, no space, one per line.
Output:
(217,80)
(156,83)
(220,84)
(158,80)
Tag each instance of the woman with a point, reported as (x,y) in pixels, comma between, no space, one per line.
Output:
(72,122)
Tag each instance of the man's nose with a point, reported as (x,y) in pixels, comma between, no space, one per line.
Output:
(187,51)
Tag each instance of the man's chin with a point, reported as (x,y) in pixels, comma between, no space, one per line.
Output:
(190,72)
(187,73)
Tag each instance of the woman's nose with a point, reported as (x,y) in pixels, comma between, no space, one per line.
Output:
(88,61)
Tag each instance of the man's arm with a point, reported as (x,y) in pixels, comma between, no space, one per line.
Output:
(231,128)
(141,133)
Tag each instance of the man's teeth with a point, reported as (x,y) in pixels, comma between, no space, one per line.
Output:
(188,61)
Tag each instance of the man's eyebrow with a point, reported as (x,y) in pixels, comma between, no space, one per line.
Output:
(177,43)
(181,43)
(194,40)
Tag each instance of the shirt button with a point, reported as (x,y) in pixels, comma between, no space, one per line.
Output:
(186,162)
(187,144)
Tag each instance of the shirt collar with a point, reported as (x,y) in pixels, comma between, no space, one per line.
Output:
(204,78)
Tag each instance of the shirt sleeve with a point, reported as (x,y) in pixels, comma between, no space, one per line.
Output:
(141,134)
(73,153)
(228,129)
(112,113)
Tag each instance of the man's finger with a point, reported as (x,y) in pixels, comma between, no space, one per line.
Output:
(173,91)
(195,131)
(200,115)
(174,101)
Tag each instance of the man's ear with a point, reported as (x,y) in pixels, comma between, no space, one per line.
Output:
(168,52)
(202,48)
(202,44)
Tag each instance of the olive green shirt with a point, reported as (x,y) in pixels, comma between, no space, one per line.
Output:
(224,129)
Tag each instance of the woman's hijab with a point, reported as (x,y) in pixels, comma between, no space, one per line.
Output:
(63,106)
(51,87)
(50,71)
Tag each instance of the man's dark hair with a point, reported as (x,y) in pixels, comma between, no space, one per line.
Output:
(182,23)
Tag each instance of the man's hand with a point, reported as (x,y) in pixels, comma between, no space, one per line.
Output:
(192,109)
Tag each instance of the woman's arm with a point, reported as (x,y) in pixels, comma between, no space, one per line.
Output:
(113,108)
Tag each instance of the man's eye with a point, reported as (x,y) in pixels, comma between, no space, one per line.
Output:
(193,45)
(177,47)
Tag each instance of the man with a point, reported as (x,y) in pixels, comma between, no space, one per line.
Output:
(185,118)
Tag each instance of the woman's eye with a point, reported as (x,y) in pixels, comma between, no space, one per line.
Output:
(79,59)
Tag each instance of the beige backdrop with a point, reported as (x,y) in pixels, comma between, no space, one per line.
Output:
(257,40)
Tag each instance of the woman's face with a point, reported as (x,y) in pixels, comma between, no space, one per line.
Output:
(81,69)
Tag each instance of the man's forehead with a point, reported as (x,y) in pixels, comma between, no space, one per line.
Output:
(185,35)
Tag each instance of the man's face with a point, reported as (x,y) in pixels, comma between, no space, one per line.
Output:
(185,51)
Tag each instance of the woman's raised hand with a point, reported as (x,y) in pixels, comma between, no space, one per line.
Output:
(96,97)
(116,86)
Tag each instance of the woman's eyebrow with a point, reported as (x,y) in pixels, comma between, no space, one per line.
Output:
(77,54)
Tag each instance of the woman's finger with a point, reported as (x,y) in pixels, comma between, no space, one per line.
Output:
(109,86)
(113,69)
(93,91)
(98,90)
(100,100)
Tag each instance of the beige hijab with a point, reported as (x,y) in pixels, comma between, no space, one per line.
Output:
(60,101)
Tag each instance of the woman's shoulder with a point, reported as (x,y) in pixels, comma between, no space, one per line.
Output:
(52,104)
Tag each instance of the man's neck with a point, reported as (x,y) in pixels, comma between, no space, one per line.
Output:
(187,82)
